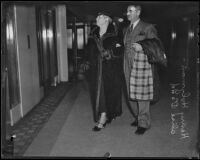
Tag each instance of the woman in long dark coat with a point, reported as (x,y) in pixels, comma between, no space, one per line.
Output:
(104,58)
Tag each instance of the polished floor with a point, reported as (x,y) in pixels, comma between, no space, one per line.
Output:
(27,128)
(61,126)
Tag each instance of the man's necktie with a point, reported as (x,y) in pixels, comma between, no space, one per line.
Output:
(131,27)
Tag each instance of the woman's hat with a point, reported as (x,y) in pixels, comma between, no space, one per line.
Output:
(105,13)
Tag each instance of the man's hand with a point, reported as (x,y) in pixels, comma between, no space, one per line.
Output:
(137,47)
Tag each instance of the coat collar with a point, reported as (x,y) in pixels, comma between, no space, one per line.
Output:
(138,28)
(111,31)
(134,24)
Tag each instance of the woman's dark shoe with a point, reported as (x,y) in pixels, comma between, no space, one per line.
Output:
(99,126)
(101,123)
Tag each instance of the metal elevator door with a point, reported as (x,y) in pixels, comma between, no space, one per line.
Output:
(46,37)
(9,78)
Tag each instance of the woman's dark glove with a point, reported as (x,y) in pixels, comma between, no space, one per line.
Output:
(106,54)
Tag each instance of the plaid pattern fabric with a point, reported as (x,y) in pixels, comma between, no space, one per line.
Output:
(141,79)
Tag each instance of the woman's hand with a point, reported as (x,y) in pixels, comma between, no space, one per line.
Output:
(106,54)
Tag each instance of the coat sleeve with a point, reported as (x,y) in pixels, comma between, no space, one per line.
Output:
(116,48)
(90,54)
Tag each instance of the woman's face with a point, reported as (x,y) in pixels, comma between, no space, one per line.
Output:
(101,20)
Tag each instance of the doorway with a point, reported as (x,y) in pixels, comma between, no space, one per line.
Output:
(77,40)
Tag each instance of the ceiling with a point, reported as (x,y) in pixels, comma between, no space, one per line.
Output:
(151,10)
(86,11)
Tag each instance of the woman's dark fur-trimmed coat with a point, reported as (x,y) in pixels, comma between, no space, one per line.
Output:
(112,71)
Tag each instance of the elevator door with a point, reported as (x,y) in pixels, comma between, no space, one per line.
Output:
(184,48)
(179,54)
(9,75)
(46,35)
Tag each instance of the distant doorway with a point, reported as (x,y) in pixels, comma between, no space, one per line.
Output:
(77,39)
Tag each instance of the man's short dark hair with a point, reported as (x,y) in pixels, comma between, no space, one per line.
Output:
(137,7)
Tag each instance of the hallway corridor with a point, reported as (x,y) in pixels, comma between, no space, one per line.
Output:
(45,105)
(68,132)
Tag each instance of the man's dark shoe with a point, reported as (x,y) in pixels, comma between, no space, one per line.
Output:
(140,130)
(134,124)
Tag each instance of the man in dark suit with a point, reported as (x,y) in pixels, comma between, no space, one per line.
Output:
(137,69)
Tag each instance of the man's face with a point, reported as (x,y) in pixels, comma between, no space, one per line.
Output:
(132,13)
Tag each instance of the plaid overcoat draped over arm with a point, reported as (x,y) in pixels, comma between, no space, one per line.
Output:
(142,83)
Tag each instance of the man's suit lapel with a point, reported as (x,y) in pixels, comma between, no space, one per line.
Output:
(137,28)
